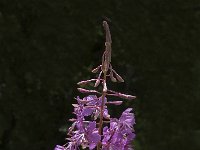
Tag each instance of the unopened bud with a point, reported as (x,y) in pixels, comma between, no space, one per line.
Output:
(115,102)
(86,81)
(87,91)
(96,69)
(113,79)
(106,28)
(105,87)
(83,90)
(97,83)
(82,82)
(129,97)
(98,80)
(119,78)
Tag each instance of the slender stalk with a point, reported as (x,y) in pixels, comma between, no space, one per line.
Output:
(102,109)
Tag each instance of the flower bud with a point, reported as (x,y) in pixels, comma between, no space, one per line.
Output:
(87,91)
(115,102)
(113,79)
(83,82)
(105,89)
(129,97)
(95,70)
(119,78)
(97,82)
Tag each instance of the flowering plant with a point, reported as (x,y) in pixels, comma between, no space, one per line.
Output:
(93,127)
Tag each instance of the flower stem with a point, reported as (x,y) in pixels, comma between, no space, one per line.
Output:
(102,109)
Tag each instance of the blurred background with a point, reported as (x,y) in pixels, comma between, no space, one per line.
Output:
(47,46)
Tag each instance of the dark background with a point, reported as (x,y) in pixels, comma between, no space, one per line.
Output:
(47,46)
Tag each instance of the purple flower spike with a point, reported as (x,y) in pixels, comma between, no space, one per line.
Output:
(93,127)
